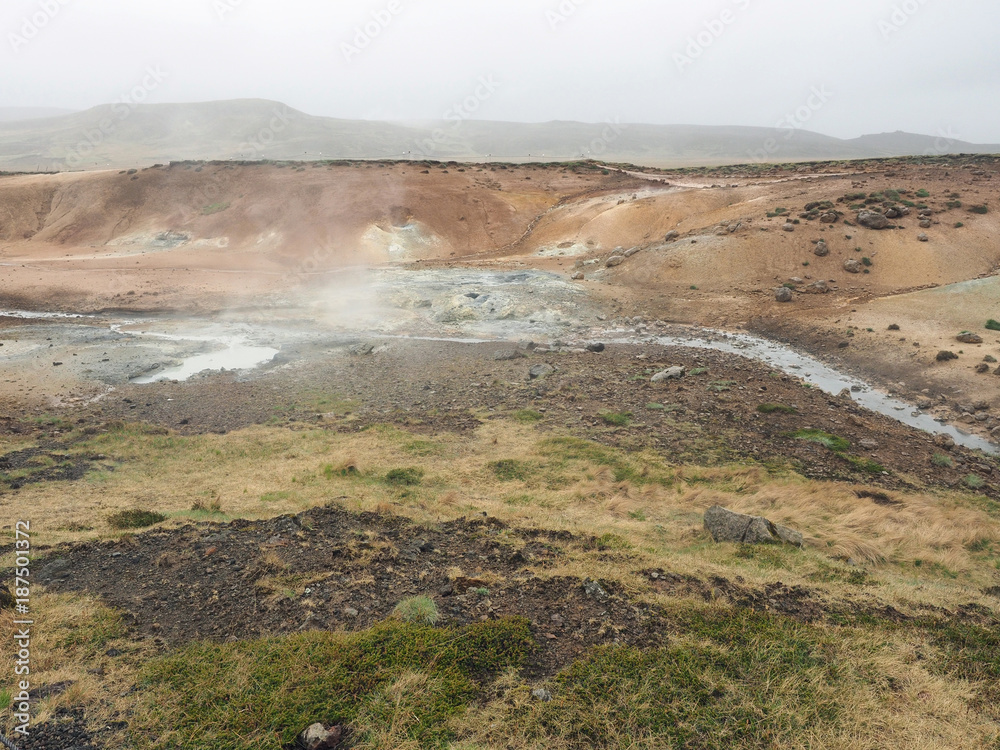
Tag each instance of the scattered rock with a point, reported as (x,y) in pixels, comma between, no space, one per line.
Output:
(726,526)
(789,227)
(822,249)
(872,220)
(990,358)
(982,368)
(578,276)
(364,349)
(925,223)
(615,260)
(852,266)
(943,441)
(319,737)
(894,327)
(944,356)
(507,355)
(671,373)
(869,445)
(672,235)
(783,294)
(596,347)
(541,695)
(966,337)
(829,218)
(351,612)
(632,251)
(925,403)
(818,287)
(923,237)
(594,590)
(541,371)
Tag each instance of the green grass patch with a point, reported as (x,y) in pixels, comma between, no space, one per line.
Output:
(865,465)
(135,519)
(834,443)
(975,482)
(942,461)
(214,208)
(776,409)
(420,610)
(728,679)
(409,477)
(993,325)
(527,416)
(697,371)
(617,419)
(398,682)
(981,210)
(509,470)
(564,454)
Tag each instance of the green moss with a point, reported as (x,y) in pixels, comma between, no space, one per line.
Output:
(834,443)
(527,416)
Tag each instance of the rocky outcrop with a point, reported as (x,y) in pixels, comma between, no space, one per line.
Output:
(727,526)
(873,220)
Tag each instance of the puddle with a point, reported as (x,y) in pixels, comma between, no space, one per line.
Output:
(238,355)
(826,379)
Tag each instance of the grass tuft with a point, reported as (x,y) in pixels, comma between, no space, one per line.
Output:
(135,519)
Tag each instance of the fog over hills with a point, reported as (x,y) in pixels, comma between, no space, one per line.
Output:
(125,135)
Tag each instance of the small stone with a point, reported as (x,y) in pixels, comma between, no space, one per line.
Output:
(894,327)
(541,695)
(578,276)
(872,220)
(632,251)
(783,294)
(789,227)
(822,249)
(923,237)
(671,235)
(852,266)
(671,373)
(615,260)
(965,337)
(594,590)
(351,612)
(945,356)
(596,347)
(507,355)
(869,445)
(944,441)
(982,368)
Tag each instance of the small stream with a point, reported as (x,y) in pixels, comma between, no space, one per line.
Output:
(823,377)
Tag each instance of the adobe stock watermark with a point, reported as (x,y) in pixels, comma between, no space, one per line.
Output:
(795,120)
(900,16)
(943,143)
(31,26)
(367,33)
(255,145)
(562,13)
(602,144)
(121,110)
(224,7)
(714,28)
(458,113)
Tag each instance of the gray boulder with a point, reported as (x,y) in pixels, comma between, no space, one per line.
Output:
(818,287)
(822,249)
(783,294)
(540,371)
(672,235)
(318,737)
(923,237)
(615,260)
(967,337)
(671,373)
(872,220)
(853,266)
(508,355)
(726,526)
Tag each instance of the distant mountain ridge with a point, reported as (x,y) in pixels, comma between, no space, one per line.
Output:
(126,135)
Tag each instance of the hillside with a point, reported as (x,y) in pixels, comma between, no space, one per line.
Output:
(130,135)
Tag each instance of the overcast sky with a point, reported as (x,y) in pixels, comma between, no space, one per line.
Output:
(842,68)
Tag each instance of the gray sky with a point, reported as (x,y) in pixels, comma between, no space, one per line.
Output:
(843,68)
